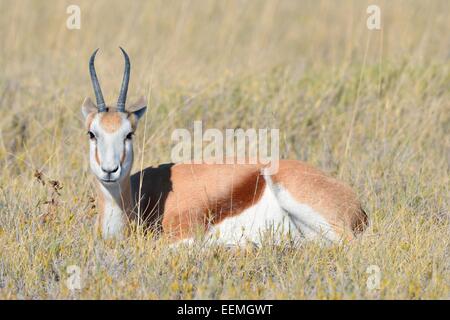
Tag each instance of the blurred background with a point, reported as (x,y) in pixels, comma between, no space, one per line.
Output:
(230,63)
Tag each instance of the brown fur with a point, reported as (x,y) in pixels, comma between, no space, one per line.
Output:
(180,199)
(110,121)
(332,199)
(184,198)
(97,158)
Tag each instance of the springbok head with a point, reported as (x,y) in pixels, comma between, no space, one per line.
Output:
(111,129)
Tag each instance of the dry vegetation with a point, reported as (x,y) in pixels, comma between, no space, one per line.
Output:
(372,107)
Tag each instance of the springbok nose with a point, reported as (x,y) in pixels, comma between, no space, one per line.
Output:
(109,171)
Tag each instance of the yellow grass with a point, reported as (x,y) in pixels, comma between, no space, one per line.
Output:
(371,107)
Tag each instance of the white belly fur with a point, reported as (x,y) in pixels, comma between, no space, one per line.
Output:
(277,215)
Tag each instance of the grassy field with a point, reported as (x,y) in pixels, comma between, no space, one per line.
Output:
(370,107)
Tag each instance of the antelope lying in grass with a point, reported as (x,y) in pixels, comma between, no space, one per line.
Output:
(232,203)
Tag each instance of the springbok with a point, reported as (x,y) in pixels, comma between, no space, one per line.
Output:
(232,203)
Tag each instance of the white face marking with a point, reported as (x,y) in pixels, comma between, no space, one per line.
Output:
(111,153)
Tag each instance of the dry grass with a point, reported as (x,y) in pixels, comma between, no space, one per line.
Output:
(371,107)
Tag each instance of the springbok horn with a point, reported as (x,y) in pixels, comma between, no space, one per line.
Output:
(97,90)
(126,78)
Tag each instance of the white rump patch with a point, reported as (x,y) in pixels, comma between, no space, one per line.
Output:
(277,215)
(310,223)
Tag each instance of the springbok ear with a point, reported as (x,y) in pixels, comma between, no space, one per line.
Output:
(88,107)
(139,107)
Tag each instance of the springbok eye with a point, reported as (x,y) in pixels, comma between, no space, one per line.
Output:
(91,135)
(130,136)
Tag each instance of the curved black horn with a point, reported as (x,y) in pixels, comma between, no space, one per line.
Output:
(126,78)
(97,90)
